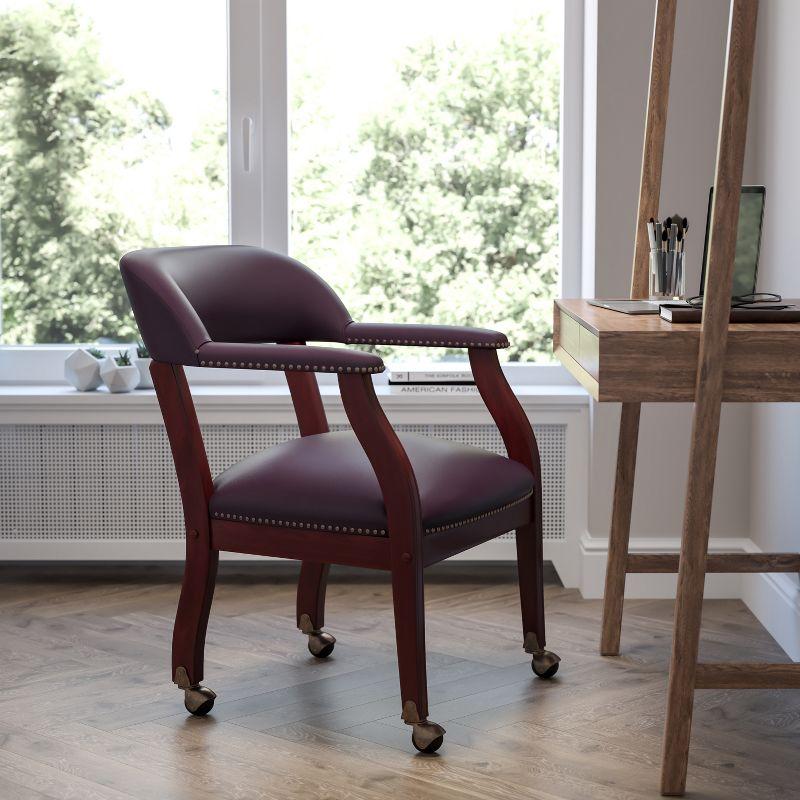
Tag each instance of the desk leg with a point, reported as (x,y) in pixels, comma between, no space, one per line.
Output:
(620,529)
(708,398)
(689,604)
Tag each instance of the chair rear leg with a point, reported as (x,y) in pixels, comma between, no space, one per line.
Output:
(191,622)
(311,607)
(531,592)
(409,623)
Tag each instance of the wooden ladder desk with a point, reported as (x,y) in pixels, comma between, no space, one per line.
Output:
(642,359)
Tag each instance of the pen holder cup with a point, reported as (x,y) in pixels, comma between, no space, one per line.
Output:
(667,275)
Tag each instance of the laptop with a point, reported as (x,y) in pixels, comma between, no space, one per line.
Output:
(748,250)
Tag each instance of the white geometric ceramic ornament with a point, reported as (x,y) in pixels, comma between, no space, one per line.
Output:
(82,370)
(119,379)
(145,378)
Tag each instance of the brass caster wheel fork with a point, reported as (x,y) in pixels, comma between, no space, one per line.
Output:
(197,699)
(543,663)
(427,737)
(320,643)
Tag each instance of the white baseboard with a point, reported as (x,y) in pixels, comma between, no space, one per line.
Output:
(500,550)
(774,599)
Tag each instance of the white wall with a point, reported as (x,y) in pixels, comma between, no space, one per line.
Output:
(623,41)
(775,467)
(775,448)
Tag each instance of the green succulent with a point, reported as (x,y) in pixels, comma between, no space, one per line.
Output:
(96,352)
(123,359)
(142,351)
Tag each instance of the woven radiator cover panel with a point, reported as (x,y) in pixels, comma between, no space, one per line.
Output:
(117,481)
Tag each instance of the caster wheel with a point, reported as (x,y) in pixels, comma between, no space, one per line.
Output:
(545,664)
(320,644)
(199,700)
(427,737)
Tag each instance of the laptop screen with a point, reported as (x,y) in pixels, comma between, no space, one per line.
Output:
(748,240)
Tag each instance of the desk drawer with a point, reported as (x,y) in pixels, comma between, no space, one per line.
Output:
(580,343)
(589,352)
(570,335)
(643,359)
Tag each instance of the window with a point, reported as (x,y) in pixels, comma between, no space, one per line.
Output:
(411,153)
(113,136)
(424,161)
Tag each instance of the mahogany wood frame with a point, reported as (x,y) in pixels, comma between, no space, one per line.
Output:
(685,673)
(404,552)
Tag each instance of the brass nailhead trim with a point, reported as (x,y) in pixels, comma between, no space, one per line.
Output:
(430,342)
(315,526)
(284,367)
(485,514)
(311,526)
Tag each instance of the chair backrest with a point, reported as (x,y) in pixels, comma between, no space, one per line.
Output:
(185,296)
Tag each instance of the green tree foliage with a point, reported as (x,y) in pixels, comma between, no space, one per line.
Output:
(87,172)
(454,216)
(59,112)
(443,207)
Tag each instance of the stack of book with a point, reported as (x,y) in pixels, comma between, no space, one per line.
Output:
(753,312)
(439,379)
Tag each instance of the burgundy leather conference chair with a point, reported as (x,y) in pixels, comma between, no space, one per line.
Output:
(370,498)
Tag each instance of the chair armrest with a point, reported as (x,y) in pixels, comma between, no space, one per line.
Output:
(423,335)
(507,413)
(391,466)
(285,357)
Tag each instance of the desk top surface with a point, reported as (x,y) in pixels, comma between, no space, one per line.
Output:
(603,320)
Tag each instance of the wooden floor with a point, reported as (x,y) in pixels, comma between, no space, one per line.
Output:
(87,709)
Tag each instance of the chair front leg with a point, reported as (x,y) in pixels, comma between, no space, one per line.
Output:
(200,571)
(401,498)
(311,607)
(191,622)
(409,624)
(409,620)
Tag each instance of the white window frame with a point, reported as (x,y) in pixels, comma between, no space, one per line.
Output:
(258,156)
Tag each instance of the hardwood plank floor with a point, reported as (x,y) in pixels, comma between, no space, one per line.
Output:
(87,709)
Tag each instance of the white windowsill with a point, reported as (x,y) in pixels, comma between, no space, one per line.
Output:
(24,365)
(32,404)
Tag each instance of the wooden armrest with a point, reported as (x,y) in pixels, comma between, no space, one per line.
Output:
(423,335)
(390,462)
(283,357)
(508,414)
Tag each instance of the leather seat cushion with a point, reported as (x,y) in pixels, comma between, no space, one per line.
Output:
(326,482)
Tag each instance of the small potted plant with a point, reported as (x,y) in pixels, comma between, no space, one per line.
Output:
(82,368)
(143,362)
(119,374)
